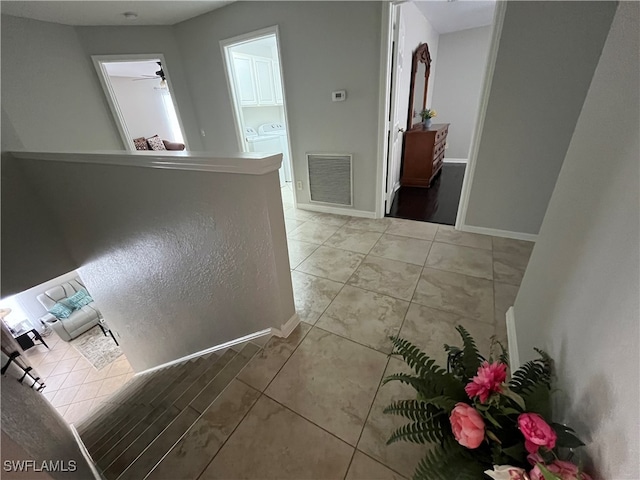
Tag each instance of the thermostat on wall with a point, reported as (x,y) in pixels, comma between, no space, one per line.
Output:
(339,96)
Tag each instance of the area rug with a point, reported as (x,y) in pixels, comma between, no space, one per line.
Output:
(98,349)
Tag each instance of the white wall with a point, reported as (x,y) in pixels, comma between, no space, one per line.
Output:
(50,91)
(546,58)
(325,46)
(35,426)
(33,247)
(417,30)
(579,297)
(149,40)
(142,107)
(462,60)
(164,256)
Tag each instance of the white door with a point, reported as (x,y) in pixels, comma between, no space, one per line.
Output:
(398,119)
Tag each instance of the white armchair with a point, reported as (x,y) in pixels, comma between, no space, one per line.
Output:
(79,321)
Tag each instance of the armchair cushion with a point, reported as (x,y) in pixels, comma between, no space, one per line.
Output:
(79,299)
(59,310)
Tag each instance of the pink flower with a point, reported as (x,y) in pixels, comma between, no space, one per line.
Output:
(488,380)
(537,433)
(467,425)
(564,470)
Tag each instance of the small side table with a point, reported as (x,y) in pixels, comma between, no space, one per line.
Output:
(105,328)
(26,336)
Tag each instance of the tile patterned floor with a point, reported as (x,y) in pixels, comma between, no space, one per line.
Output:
(310,406)
(73,386)
(357,281)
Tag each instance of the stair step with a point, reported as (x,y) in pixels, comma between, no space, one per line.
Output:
(131,437)
(180,384)
(147,387)
(156,451)
(105,416)
(215,387)
(128,438)
(85,425)
(103,444)
(161,445)
(118,466)
(196,387)
(191,455)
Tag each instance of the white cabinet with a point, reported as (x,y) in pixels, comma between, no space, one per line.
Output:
(244,77)
(277,80)
(264,81)
(257,80)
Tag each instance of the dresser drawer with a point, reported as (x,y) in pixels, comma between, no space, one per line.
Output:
(442,134)
(438,150)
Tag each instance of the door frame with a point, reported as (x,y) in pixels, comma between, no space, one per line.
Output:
(237,111)
(395,128)
(469,172)
(103,76)
(384,107)
(384,124)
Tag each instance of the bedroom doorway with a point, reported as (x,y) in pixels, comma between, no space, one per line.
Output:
(254,77)
(431,179)
(139,93)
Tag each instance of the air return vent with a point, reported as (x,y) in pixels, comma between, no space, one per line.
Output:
(330,178)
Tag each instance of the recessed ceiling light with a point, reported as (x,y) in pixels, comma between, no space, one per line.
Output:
(130,15)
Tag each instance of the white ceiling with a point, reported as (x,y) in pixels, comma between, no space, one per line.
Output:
(131,69)
(452,16)
(95,12)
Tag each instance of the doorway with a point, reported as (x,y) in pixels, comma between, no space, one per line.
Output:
(139,93)
(463,48)
(254,76)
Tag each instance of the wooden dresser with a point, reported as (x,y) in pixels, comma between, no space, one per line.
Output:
(423,154)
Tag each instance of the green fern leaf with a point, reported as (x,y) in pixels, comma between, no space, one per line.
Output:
(538,371)
(415,410)
(432,380)
(450,462)
(471,358)
(432,430)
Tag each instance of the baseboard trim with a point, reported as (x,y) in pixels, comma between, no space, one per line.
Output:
(514,356)
(222,346)
(85,453)
(336,210)
(455,160)
(529,237)
(285,330)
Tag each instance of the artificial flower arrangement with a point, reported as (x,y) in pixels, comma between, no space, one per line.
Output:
(483,423)
(428,113)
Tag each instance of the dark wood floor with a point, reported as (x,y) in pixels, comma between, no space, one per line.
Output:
(438,204)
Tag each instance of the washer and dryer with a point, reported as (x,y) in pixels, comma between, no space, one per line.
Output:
(265,144)
(270,138)
(279,130)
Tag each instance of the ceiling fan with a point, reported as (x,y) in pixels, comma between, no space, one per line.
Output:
(159,74)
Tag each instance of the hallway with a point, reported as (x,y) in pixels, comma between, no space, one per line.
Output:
(315,398)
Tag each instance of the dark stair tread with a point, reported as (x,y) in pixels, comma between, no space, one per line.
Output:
(123,461)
